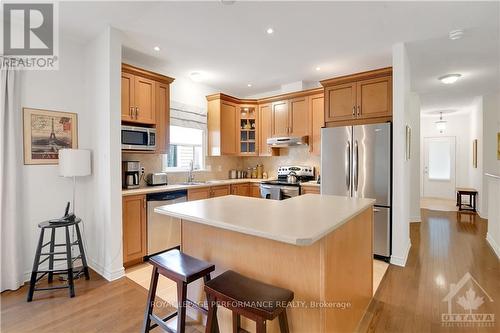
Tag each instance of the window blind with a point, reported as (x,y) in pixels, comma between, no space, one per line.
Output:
(185,115)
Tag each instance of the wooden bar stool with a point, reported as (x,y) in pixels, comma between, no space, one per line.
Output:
(246,297)
(461,191)
(182,269)
(37,273)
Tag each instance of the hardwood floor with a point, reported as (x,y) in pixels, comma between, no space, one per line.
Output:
(410,299)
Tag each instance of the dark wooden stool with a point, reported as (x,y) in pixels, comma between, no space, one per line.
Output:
(182,269)
(472,198)
(68,257)
(247,297)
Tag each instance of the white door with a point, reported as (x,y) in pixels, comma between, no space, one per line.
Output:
(439,167)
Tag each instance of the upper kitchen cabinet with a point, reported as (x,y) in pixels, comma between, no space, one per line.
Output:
(316,121)
(279,120)
(145,101)
(359,98)
(248,118)
(299,116)
(222,120)
(265,130)
(139,95)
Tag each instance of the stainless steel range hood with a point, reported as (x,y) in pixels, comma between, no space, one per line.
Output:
(289,141)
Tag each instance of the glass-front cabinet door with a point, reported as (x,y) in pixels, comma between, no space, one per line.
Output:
(248,130)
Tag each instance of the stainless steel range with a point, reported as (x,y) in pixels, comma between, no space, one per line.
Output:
(288,183)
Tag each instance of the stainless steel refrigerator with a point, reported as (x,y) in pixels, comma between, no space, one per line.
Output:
(356,161)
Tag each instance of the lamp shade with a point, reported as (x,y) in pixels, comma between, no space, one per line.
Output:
(74,162)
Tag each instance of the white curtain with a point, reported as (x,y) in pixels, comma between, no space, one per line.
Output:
(11,148)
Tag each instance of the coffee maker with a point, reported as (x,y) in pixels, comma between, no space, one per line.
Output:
(130,174)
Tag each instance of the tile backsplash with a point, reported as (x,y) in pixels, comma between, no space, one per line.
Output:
(217,167)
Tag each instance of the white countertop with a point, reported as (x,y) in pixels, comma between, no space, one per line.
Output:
(175,187)
(300,220)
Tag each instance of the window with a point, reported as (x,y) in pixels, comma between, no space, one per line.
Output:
(186,145)
(439,160)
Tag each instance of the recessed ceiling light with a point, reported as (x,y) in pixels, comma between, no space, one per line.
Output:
(270,31)
(196,76)
(450,78)
(156,48)
(318,68)
(249,85)
(456,34)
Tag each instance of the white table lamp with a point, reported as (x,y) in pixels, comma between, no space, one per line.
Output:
(74,163)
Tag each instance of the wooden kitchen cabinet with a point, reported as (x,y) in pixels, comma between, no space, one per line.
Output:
(308,189)
(254,190)
(280,119)
(317,121)
(240,189)
(134,229)
(198,193)
(265,130)
(220,191)
(127,101)
(359,98)
(163,117)
(298,114)
(222,121)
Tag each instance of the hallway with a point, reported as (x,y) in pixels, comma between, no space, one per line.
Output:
(410,299)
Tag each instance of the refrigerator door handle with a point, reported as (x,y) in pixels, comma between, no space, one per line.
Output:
(355,168)
(347,166)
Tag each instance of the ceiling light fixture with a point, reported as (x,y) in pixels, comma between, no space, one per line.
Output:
(270,31)
(249,85)
(450,78)
(196,76)
(318,68)
(441,124)
(456,34)
(156,48)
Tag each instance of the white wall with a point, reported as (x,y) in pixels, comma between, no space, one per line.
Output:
(401,168)
(476,174)
(457,126)
(415,170)
(44,193)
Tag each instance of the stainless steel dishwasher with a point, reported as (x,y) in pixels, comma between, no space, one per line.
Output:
(164,232)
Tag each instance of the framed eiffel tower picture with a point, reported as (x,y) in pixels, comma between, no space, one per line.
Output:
(45,132)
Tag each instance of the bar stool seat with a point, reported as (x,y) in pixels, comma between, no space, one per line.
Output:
(182,269)
(251,298)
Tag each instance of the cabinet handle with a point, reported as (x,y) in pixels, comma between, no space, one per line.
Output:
(131,112)
(136,112)
(353,111)
(144,202)
(359,110)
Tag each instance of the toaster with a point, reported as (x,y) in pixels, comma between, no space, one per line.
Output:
(157,178)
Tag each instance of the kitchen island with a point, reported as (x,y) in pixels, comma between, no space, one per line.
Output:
(316,245)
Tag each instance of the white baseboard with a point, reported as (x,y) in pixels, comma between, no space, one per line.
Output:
(401,261)
(493,244)
(108,275)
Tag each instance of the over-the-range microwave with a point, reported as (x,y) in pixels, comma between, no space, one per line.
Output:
(138,138)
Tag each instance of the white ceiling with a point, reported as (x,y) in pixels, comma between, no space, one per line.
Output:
(230,45)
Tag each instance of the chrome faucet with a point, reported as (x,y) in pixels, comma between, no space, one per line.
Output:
(190,178)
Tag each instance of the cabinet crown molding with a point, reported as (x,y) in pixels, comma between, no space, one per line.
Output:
(358,76)
(147,74)
(265,99)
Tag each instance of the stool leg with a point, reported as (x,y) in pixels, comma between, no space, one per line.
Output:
(283,322)
(69,260)
(51,256)
(181,306)
(35,266)
(236,322)
(474,202)
(261,325)
(212,325)
(459,201)
(151,300)
(82,253)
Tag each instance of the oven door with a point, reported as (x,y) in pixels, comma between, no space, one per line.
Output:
(138,138)
(289,192)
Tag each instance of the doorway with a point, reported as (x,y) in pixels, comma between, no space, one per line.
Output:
(439,178)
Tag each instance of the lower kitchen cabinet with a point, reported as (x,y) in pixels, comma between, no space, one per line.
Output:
(254,190)
(304,189)
(220,191)
(240,189)
(134,229)
(198,193)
